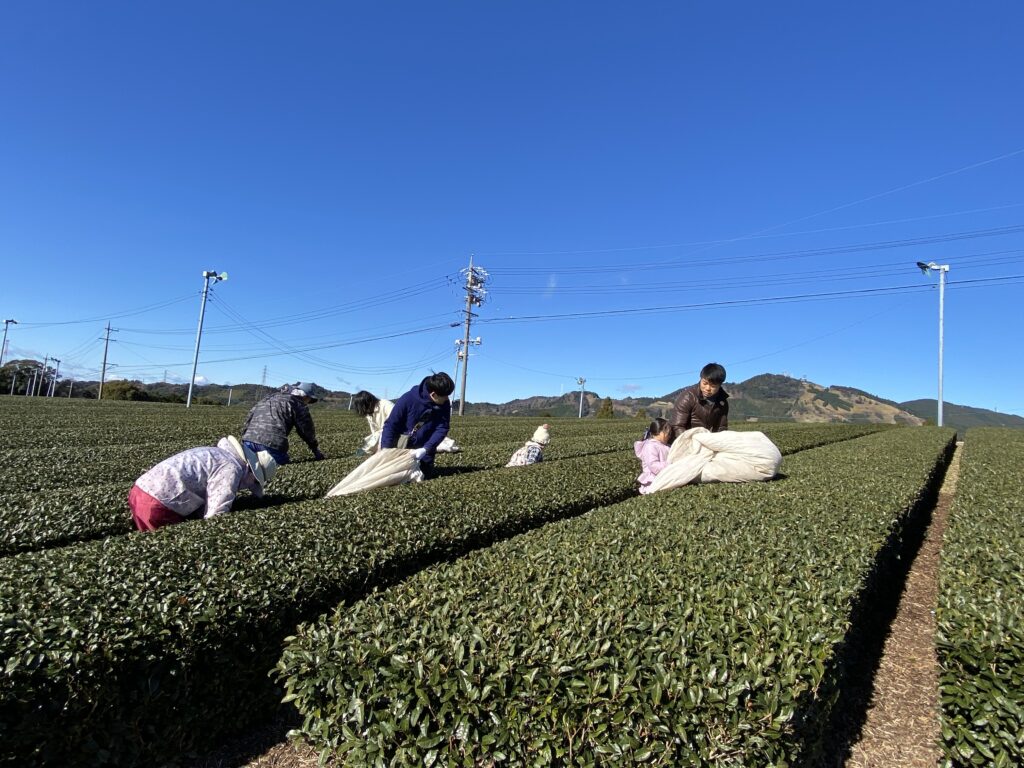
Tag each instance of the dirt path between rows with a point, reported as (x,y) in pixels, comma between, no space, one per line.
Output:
(902,723)
(900,728)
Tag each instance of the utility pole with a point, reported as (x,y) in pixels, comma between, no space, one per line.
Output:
(263,384)
(71,386)
(14,378)
(3,347)
(208,275)
(475,294)
(230,389)
(31,383)
(461,352)
(53,381)
(42,377)
(582,382)
(103,371)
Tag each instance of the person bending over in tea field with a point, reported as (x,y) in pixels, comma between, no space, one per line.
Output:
(270,421)
(198,483)
(376,410)
(420,420)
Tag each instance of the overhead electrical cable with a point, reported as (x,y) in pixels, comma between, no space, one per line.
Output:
(764,257)
(746,238)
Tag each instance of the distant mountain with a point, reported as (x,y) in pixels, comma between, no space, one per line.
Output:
(961,416)
(768,397)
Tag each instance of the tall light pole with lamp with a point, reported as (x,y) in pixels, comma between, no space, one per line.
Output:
(942,269)
(582,382)
(208,275)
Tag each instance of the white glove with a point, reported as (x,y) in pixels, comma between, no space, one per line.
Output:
(419,453)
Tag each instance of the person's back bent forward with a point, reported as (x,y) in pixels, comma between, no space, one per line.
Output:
(271,420)
(424,414)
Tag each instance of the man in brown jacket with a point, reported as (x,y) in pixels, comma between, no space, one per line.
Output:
(705,404)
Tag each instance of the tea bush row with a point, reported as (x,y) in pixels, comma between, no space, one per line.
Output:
(701,626)
(59,516)
(31,520)
(980,612)
(138,648)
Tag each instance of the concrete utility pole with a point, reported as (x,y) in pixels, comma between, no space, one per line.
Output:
(942,269)
(582,382)
(42,377)
(208,275)
(53,381)
(103,370)
(475,294)
(3,347)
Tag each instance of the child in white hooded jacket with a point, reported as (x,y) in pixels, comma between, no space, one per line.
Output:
(533,450)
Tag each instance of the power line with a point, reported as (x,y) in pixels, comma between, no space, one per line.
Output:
(770,256)
(830,295)
(746,238)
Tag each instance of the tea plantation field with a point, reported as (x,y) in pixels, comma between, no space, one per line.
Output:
(542,615)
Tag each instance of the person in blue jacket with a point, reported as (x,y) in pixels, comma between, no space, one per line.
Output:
(423,413)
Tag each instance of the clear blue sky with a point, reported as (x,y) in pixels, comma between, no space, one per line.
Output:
(650,187)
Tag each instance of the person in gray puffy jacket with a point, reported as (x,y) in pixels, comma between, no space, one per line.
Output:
(270,421)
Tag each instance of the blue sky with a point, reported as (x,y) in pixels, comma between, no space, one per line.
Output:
(649,189)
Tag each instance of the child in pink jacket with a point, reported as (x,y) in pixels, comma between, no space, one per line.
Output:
(653,452)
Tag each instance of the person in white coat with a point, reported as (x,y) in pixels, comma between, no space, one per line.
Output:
(376,410)
(200,482)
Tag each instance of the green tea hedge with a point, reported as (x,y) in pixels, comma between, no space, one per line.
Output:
(71,511)
(708,625)
(980,612)
(139,648)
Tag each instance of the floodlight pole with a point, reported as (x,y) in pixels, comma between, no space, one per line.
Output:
(942,269)
(581,381)
(208,275)
(3,347)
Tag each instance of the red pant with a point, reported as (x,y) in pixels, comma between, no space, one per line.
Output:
(148,513)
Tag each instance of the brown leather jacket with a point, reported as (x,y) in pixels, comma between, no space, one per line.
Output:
(692,409)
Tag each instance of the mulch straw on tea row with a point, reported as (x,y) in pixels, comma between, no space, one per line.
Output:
(703,626)
(981,605)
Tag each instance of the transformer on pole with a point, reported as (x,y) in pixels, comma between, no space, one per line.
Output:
(208,275)
(475,295)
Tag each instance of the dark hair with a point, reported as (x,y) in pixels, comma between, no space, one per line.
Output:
(656,428)
(440,384)
(714,373)
(364,402)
